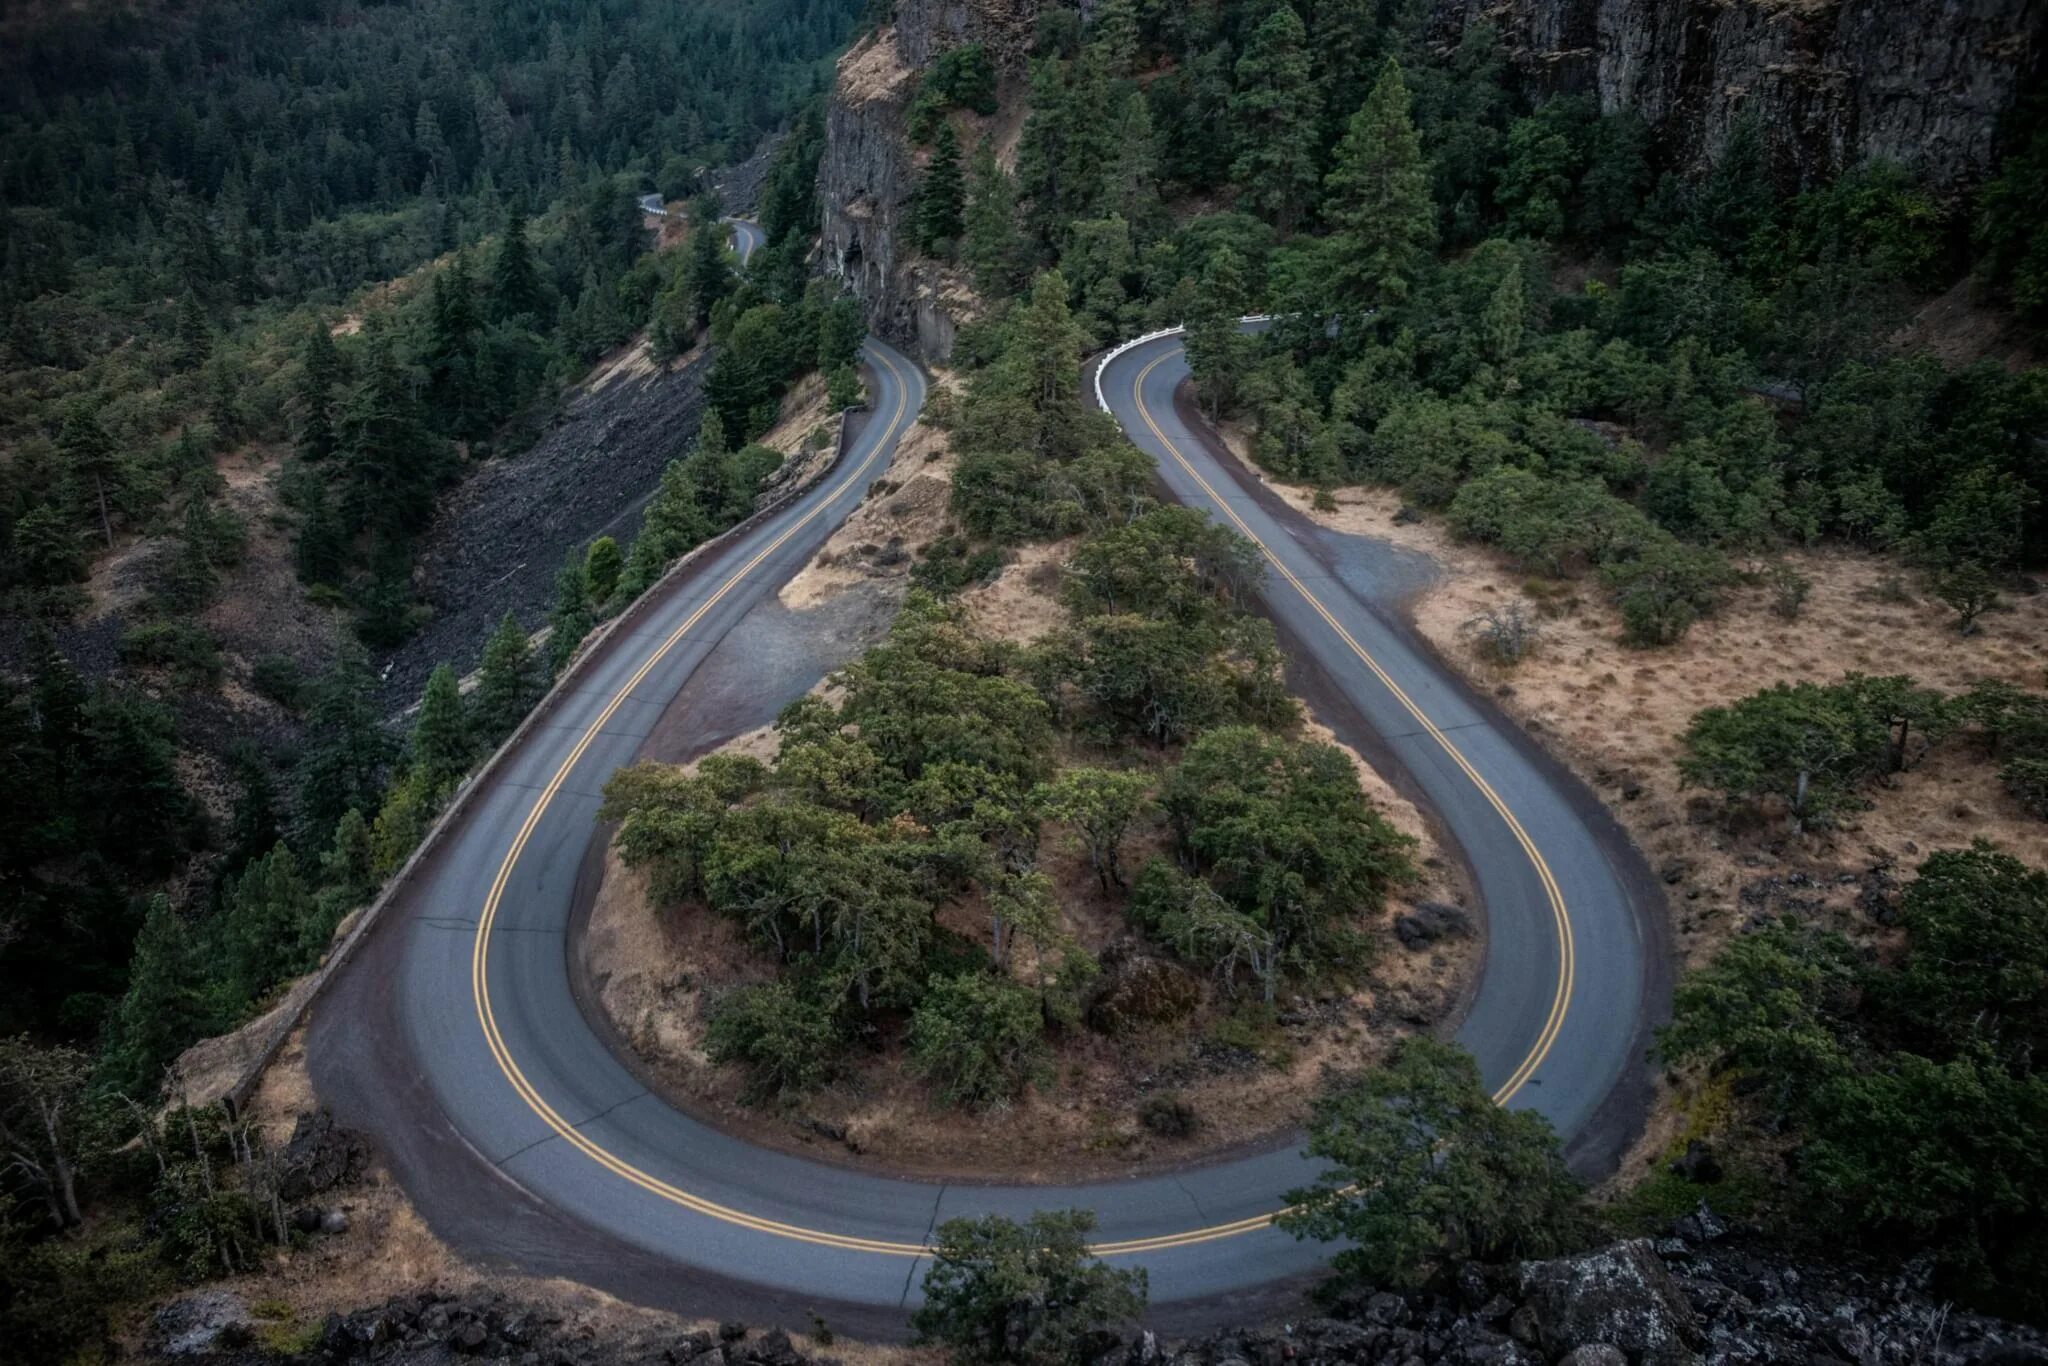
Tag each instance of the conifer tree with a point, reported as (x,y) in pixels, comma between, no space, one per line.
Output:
(90,457)
(571,616)
(1132,185)
(440,733)
(394,463)
(319,372)
(505,686)
(990,245)
(268,920)
(941,196)
(1274,118)
(342,765)
(1218,353)
(706,269)
(1116,30)
(515,282)
(601,565)
(1378,196)
(345,865)
(450,356)
(164,1008)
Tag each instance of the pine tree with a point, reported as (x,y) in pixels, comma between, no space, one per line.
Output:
(1091,133)
(321,549)
(601,565)
(1735,204)
(705,266)
(345,866)
(319,371)
(342,765)
(1045,359)
(1042,155)
(450,356)
(1274,114)
(194,332)
(515,282)
(941,196)
(268,921)
(394,463)
(1218,353)
(1133,179)
(990,246)
(1379,196)
(440,733)
(90,457)
(711,438)
(571,616)
(164,1008)
(1116,30)
(1346,41)
(505,686)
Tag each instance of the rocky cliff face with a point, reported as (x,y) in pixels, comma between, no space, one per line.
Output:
(869,170)
(1833,81)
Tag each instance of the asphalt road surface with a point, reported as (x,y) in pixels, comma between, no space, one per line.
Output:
(456,1036)
(1573,975)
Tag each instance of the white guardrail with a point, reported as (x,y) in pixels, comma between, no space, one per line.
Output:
(1101,401)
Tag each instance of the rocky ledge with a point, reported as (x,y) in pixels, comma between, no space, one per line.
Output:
(1698,1295)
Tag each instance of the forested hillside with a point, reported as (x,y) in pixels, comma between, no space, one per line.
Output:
(1635,375)
(273,278)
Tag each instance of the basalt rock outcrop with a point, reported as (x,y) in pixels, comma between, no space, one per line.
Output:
(868,175)
(1700,1296)
(1832,82)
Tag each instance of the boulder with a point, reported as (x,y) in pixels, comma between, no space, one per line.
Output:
(1620,1296)
(1698,1164)
(321,1156)
(201,1324)
(1594,1354)
(1429,922)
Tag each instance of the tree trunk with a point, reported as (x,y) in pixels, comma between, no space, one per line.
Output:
(106,523)
(1799,803)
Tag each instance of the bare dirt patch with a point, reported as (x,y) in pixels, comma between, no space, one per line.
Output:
(1021,603)
(879,540)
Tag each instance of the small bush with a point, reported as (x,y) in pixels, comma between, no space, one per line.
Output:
(978,1039)
(784,1039)
(1167,1115)
(1506,635)
(279,678)
(182,647)
(1789,590)
(952,563)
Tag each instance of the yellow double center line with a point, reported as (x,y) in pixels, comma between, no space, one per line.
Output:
(1566,956)
(480,951)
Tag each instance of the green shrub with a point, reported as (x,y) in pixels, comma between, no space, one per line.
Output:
(952,563)
(279,678)
(784,1039)
(977,1039)
(184,648)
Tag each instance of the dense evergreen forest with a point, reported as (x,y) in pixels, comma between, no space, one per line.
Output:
(357,249)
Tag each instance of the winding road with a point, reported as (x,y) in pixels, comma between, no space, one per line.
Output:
(457,1038)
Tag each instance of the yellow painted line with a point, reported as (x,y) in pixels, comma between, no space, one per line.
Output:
(480,951)
(1566,954)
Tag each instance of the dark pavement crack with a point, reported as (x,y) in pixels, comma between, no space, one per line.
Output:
(930,1224)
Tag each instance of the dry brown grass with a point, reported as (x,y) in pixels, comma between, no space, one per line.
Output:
(1616,715)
